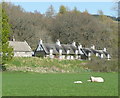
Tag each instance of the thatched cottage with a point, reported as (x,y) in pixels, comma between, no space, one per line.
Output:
(21,49)
(69,51)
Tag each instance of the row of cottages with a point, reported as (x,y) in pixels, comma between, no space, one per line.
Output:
(21,49)
(69,51)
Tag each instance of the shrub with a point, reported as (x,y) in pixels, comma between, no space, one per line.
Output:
(103,65)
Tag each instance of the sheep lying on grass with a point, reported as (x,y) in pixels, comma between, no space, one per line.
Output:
(96,79)
(77,81)
(92,79)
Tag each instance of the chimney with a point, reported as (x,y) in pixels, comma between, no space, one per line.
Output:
(105,49)
(93,47)
(13,38)
(74,43)
(58,42)
(80,46)
(40,41)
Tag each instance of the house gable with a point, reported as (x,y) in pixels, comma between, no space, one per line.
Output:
(21,49)
(39,48)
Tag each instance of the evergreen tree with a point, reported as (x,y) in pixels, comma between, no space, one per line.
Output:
(50,12)
(75,10)
(62,9)
(100,12)
(7,52)
(0,34)
(86,12)
(102,17)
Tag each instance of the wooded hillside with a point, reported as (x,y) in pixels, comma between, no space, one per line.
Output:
(66,25)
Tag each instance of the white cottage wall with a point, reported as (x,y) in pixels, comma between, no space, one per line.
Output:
(22,54)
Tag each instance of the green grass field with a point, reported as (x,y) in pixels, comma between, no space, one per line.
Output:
(58,84)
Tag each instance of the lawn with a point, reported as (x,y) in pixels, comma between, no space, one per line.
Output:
(58,84)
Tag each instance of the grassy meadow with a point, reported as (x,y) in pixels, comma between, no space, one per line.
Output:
(58,84)
(52,77)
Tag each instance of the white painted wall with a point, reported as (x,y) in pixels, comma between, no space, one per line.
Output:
(22,54)
(62,57)
(71,57)
(68,57)
(51,51)
(60,51)
(76,52)
(51,56)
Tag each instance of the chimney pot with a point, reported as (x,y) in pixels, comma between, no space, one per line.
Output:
(74,43)
(80,46)
(40,41)
(93,47)
(58,42)
(105,49)
(13,38)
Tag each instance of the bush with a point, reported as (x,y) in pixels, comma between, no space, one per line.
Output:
(2,68)
(103,65)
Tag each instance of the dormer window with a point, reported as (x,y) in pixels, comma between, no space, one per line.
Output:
(97,54)
(108,57)
(60,51)
(68,51)
(89,54)
(39,48)
(76,52)
(101,56)
(51,51)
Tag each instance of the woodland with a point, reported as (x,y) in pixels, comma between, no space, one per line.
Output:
(65,25)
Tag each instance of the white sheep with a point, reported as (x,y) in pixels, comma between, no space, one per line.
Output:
(77,81)
(96,79)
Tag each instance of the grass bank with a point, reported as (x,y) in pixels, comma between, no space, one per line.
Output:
(35,64)
(46,65)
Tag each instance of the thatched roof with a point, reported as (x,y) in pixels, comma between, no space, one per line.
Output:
(56,48)
(72,49)
(20,46)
